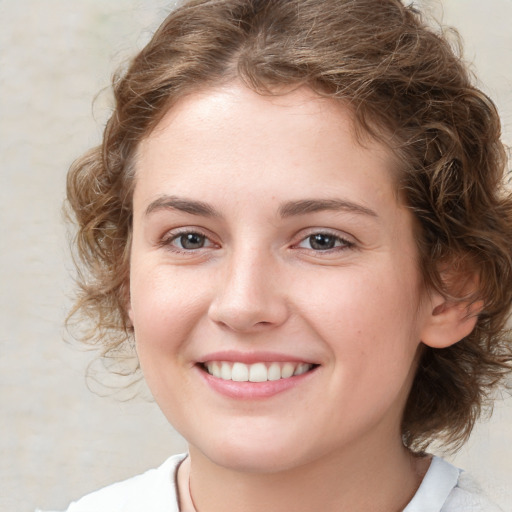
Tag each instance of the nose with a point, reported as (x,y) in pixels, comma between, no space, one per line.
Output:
(249,297)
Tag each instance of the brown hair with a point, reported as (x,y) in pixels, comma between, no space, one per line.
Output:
(406,86)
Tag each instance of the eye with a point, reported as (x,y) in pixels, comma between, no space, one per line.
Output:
(188,241)
(324,242)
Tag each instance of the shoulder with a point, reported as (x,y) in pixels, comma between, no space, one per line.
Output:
(152,491)
(468,496)
(446,488)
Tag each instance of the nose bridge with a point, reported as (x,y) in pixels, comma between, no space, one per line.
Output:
(248,296)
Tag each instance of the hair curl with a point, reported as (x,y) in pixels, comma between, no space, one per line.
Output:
(407,87)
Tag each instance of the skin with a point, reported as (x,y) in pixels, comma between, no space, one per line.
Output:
(257,285)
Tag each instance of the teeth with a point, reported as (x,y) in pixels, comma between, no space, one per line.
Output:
(240,372)
(216,369)
(274,372)
(257,372)
(225,371)
(287,370)
(301,368)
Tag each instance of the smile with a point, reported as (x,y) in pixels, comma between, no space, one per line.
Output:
(257,372)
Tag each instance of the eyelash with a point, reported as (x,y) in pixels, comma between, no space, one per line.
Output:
(340,243)
(171,237)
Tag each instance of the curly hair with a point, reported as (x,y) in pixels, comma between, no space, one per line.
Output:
(408,87)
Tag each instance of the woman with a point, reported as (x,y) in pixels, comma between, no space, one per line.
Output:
(297,214)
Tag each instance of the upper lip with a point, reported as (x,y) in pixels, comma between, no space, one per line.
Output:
(253,357)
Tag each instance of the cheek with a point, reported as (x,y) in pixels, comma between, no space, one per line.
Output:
(365,300)
(164,309)
(368,320)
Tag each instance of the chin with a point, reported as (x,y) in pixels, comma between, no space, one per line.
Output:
(254,456)
(258,461)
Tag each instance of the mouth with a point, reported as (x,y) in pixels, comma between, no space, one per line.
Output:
(256,372)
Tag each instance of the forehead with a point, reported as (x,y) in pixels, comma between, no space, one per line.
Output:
(237,113)
(232,137)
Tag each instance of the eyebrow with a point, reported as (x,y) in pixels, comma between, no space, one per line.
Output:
(305,206)
(183,205)
(288,209)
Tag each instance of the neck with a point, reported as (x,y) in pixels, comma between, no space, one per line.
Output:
(353,480)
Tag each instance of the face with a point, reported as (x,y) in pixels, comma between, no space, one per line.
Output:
(275,292)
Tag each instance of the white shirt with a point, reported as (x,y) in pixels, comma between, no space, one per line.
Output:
(444,488)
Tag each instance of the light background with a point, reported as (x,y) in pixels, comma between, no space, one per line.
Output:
(58,439)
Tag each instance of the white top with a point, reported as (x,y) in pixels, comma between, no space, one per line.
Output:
(445,488)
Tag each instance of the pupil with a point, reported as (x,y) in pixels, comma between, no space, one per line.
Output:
(192,241)
(321,242)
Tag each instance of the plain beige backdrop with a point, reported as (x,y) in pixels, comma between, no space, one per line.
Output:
(58,439)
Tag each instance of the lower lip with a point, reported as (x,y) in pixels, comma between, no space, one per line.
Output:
(253,390)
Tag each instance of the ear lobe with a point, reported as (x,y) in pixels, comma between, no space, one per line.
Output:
(449,322)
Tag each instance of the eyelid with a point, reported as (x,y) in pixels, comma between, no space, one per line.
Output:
(172,234)
(347,240)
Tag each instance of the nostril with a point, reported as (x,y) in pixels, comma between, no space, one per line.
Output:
(246,305)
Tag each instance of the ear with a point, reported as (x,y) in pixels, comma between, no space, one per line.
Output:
(449,320)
